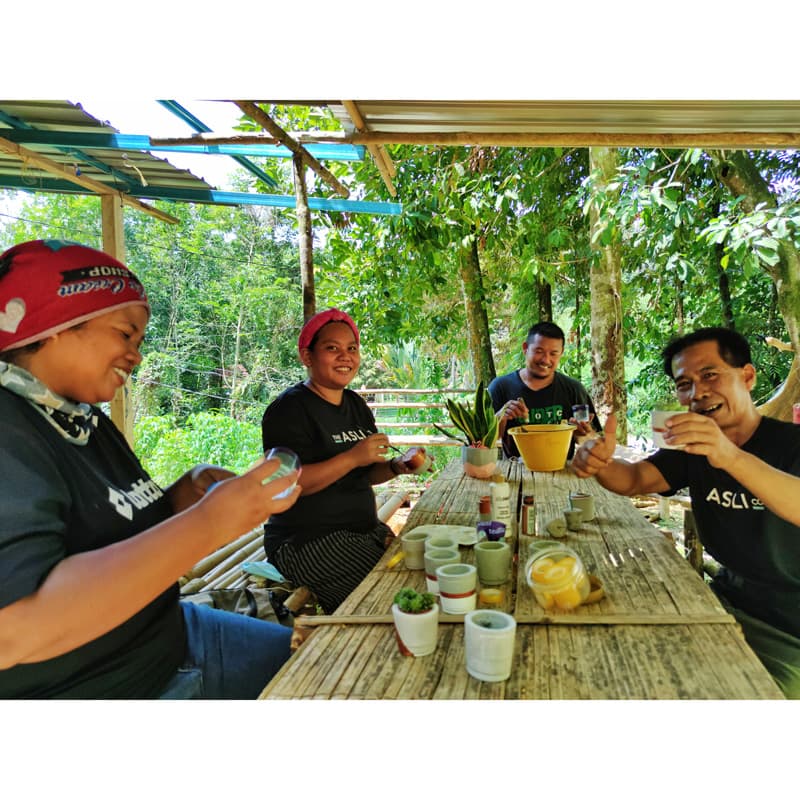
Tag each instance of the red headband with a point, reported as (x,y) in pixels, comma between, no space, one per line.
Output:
(311,328)
(49,285)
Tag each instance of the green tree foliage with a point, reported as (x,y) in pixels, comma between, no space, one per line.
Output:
(225,284)
(520,207)
(168,449)
(685,237)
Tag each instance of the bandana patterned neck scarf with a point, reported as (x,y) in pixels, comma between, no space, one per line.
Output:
(74,421)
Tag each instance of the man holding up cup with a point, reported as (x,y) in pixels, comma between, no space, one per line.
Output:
(743,473)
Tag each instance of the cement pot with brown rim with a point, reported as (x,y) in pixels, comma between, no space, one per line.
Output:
(416,622)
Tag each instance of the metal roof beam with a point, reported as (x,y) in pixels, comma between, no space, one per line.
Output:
(128,141)
(176,194)
(190,119)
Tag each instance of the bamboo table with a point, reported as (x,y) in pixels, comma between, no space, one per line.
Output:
(659,632)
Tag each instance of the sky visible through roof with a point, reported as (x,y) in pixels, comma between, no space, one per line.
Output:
(148,117)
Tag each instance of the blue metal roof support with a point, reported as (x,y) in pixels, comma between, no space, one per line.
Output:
(179,111)
(212,196)
(131,141)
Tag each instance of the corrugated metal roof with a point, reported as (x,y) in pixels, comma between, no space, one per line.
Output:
(34,130)
(745,123)
(125,170)
(574,116)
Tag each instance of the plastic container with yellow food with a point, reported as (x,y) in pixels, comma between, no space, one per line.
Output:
(557,578)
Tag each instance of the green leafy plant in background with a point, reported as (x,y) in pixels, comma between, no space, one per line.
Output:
(476,421)
(167,451)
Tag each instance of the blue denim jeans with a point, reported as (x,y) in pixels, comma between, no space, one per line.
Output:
(228,656)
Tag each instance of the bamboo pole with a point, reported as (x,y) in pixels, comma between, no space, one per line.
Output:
(391,505)
(258,115)
(233,560)
(726,140)
(378,152)
(306,241)
(229,578)
(210,561)
(600,619)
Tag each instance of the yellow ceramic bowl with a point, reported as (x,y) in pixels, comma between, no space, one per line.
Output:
(543,448)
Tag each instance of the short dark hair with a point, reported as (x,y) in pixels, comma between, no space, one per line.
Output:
(13,355)
(548,330)
(733,347)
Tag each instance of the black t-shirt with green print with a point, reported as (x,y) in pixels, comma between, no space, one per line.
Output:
(547,406)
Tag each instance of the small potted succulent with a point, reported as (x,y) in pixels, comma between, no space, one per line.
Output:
(416,621)
(478,423)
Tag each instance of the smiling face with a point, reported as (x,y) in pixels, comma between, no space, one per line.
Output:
(542,355)
(708,385)
(334,357)
(90,362)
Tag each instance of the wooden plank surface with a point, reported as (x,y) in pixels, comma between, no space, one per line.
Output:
(659,632)
(550,662)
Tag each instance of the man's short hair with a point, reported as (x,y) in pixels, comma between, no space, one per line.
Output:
(733,347)
(548,330)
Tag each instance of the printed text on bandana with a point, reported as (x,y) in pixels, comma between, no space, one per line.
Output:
(94,279)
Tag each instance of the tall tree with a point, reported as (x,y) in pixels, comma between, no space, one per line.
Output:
(775,242)
(608,361)
(480,345)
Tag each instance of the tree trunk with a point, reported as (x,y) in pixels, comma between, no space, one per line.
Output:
(304,238)
(680,316)
(605,281)
(545,294)
(722,280)
(480,345)
(739,174)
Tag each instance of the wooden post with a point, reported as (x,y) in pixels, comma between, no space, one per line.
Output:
(305,238)
(114,245)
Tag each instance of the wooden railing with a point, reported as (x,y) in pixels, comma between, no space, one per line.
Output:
(423,432)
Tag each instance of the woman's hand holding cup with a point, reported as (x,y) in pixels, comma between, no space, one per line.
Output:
(239,504)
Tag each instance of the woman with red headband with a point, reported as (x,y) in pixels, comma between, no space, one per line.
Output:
(332,537)
(91,548)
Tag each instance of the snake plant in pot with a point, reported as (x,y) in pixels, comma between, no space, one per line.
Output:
(478,423)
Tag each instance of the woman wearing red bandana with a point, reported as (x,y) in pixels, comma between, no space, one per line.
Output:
(90,546)
(332,537)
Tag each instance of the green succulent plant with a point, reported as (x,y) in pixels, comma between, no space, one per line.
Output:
(476,420)
(413,602)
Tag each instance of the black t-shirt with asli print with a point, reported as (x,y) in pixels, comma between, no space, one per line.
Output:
(318,430)
(760,550)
